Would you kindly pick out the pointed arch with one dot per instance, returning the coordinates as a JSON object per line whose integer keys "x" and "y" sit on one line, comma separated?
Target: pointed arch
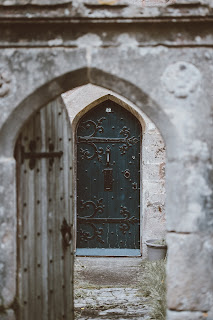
{"x": 51, "y": 90}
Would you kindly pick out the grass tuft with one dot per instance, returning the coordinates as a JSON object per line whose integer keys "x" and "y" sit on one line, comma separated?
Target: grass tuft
{"x": 153, "y": 286}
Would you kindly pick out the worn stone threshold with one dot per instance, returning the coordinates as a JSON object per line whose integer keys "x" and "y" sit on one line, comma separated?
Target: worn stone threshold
{"x": 108, "y": 252}
{"x": 110, "y": 303}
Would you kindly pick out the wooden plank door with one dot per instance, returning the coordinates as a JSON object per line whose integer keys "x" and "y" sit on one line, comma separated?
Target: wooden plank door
{"x": 44, "y": 195}
{"x": 108, "y": 182}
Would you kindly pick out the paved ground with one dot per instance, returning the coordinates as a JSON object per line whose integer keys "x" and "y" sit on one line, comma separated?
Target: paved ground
{"x": 109, "y": 288}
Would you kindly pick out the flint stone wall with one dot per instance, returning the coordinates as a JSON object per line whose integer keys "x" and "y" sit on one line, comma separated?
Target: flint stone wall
{"x": 158, "y": 58}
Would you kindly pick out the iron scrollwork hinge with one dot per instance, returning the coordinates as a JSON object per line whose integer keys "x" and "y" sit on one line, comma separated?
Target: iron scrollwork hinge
{"x": 94, "y": 220}
{"x": 127, "y": 143}
{"x": 33, "y": 155}
{"x": 66, "y": 233}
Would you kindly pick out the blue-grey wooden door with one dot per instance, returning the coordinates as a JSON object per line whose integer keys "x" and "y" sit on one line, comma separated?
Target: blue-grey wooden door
{"x": 108, "y": 181}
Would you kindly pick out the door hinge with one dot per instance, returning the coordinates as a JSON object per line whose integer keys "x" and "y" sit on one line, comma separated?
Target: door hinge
{"x": 66, "y": 233}
{"x": 32, "y": 155}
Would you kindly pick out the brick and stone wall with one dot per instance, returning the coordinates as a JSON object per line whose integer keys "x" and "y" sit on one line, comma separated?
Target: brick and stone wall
{"x": 153, "y": 184}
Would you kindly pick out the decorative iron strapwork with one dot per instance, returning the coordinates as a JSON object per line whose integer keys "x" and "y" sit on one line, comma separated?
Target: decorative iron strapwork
{"x": 98, "y": 207}
{"x": 96, "y": 233}
{"x": 97, "y": 127}
{"x": 86, "y": 154}
{"x": 127, "y": 141}
{"x": 33, "y": 156}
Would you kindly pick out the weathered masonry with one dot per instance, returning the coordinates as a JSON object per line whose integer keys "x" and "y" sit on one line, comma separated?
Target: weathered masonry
{"x": 159, "y": 59}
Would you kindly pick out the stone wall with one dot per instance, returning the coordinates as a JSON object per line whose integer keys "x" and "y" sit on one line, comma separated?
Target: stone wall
{"x": 158, "y": 58}
{"x": 153, "y": 181}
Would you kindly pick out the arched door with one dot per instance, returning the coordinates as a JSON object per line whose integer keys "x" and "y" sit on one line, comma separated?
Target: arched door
{"x": 108, "y": 181}
{"x": 45, "y": 259}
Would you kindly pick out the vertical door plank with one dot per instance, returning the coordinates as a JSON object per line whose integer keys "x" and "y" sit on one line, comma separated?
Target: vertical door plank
{"x": 25, "y": 234}
{"x": 62, "y": 212}
{"x": 57, "y": 212}
{"x": 30, "y": 252}
{"x": 66, "y": 178}
{"x": 50, "y": 213}
{"x": 70, "y": 290}
{"x": 44, "y": 229}
{"x": 38, "y": 221}
{"x": 22, "y": 221}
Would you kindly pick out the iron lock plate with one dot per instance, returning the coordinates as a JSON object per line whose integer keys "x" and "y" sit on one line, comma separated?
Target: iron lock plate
{"x": 108, "y": 181}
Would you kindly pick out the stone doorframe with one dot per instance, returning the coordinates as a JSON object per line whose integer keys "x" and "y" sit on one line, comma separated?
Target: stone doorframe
{"x": 180, "y": 294}
{"x": 77, "y": 107}
{"x": 78, "y": 102}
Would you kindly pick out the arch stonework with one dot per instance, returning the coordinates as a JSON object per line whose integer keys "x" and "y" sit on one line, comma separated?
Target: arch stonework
{"x": 152, "y": 211}
{"x": 38, "y": 69}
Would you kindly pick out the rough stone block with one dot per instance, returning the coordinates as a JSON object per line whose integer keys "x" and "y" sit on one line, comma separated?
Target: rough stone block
{"x": 154, "y": 171}
{"x": 156, "y": 199}
{"x": 186, "y": 315}
{"x": 157, "y": 187}
{"x": 189, "y": 192}
{"x": 189, "y": 272}
{"x": 153, "y": 149}
{"x": 155, "y": 211}
{"x": 153, "y": 139}
{"x": 151, "y": 3}
{"x": 154, "y": 226}
{"x": 7, "y": 232}
{"x": 150, "y": 127}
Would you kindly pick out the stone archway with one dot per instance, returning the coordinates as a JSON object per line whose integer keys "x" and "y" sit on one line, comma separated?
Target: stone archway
{"x": 52, "y": 89}
{"x": 41, "y": 97}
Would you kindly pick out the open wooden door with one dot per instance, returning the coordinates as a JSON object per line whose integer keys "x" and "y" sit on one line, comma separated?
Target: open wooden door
{"x": 44, "y": 196}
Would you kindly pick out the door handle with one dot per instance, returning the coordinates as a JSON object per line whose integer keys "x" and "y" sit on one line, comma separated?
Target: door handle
{"x": 108, "y": 172}
{"x": 108, "y": 155}
{"x": 66, "y": 233}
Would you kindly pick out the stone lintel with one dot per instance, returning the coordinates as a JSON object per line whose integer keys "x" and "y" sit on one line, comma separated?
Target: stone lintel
{"x": 105, "y": 10}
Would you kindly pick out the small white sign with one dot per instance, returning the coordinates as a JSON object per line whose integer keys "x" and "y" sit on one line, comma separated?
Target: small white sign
{"x": 108, "y": 110}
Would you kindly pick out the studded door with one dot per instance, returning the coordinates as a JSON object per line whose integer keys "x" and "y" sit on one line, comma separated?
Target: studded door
{"x": 45, "y": 259}
{"x": 108, "y": 182}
